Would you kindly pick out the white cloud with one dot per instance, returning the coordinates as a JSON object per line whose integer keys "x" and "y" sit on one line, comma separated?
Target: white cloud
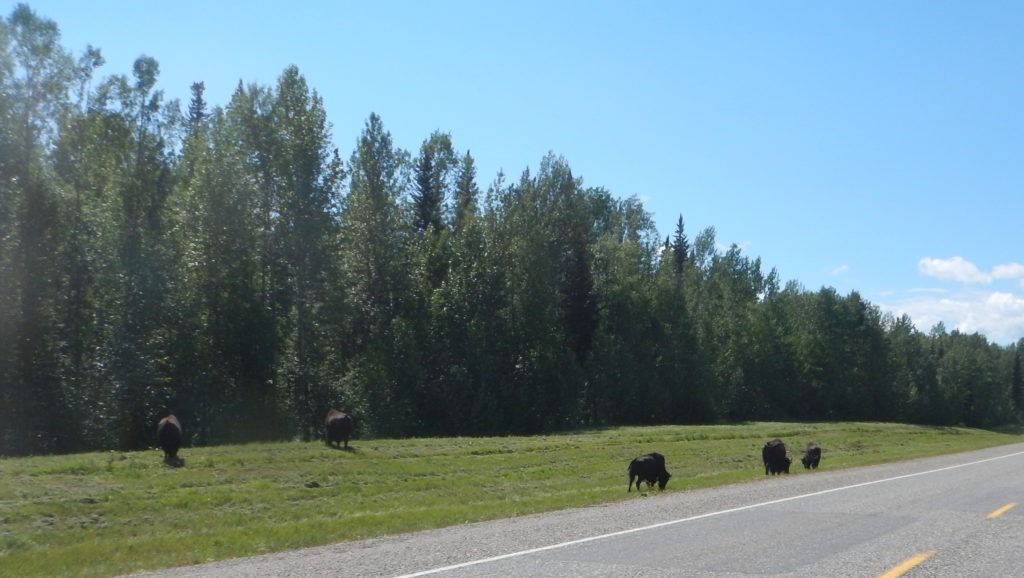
{"x": 997, "y": 315}
{"x": 1008, "y": 271}
{"x": 840, "y": 269}
{"x": 963, "y": 271}
{"x": 952, "y": 269}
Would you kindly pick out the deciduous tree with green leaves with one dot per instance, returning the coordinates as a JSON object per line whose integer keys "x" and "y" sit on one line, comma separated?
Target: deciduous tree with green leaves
{"x": 36, "y": 75}
{"x": 374, "y": 236}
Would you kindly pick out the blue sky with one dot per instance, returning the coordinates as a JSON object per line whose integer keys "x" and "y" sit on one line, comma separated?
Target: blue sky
{"x": 868, "y": 146}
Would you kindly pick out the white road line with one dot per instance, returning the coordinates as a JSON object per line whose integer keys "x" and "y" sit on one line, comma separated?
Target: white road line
{"x": 692, "y": 518}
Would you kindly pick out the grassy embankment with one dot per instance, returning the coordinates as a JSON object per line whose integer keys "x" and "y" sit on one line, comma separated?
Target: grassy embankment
{"x": 103, "y": 514}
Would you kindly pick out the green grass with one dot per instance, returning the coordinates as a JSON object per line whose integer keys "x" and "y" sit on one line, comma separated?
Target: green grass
{"x": 103, "y": 514}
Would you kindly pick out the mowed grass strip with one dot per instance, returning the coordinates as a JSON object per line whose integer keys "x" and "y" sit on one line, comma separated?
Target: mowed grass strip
{"x": 104, "y": 514}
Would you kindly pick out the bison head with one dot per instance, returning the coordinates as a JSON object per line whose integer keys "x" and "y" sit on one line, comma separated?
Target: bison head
{"x": 663, "y": 479}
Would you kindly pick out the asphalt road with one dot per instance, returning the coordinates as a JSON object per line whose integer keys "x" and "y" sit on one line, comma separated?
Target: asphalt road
{"x": 944, "y": 516}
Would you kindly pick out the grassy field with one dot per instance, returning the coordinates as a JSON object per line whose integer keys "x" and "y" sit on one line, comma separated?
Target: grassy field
{"x": 102, "y": 514}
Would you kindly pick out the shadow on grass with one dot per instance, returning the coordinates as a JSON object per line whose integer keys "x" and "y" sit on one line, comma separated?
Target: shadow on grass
{"x": 1014, "y": 429}
{"x": 174, "y": 462}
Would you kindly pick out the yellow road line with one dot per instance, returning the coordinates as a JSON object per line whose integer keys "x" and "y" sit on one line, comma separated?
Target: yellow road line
{"x": 1001, "y": 511}
{"x": 907, "y": 565}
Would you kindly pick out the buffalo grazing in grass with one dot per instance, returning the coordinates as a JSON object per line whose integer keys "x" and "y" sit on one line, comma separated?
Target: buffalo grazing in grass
{"x": 338, "y": 426}
{"x": 811, "y": 456}
{"x": 774, "y": 455}
{"x": 168, "y": 434}
{"x": 648, "y": 468}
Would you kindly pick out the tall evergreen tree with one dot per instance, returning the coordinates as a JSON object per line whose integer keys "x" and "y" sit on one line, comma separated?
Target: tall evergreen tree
{"x": 680, "y": 248}
{"x": 197, "y": 112}
{"x": 426, "y": 198}
{"x": 432, "y": 176}
{"x": 466, "y": 191}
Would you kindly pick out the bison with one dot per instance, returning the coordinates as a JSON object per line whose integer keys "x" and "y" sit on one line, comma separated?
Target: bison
{"x": 338, "y": 426}
{"x": 648, "y": 468}
{"x": 168, "y": 434}
{"x": 774, "y": 456}
{"x": 811, "y": 456}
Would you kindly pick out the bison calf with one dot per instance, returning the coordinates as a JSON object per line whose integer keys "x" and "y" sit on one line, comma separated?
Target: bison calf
{"x": 812, "y": 456}
{"x": 168, "y": 434}
{"x": 338, "y": 426}
{"x": 648, "y": 468}
{"x": 774, "y": 455}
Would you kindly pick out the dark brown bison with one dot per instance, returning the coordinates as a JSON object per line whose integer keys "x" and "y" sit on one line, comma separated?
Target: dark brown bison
{"x": 811, "y": 456}
{"x": 648, "y": 468}
{"x": 168, "y": 435}
{"x": 774, "y": 455}
{"x": 338, "y": 426}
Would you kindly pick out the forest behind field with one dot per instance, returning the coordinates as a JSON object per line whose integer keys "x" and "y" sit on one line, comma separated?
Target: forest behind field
{"x": 229, "y": 264}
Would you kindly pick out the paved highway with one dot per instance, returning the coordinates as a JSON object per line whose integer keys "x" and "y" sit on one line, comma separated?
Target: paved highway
{"x": 952, "y": 515}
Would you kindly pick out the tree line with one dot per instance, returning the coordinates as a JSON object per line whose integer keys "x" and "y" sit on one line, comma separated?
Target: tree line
{"x": 227, "y": 263}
